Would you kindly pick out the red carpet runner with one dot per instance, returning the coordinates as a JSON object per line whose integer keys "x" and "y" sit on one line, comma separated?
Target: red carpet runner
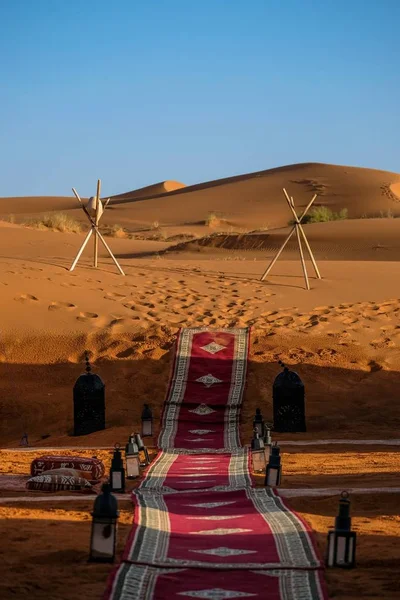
{"x": 201, "y": 530}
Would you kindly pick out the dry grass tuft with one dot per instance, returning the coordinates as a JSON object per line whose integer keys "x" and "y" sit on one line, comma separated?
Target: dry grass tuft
{"x": 117, "y": 231}
{"x": 214, "y": 220}
{"x": 56, "y": 221}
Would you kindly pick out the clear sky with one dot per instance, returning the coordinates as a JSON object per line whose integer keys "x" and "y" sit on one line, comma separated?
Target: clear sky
{"x": 138, "y": 91}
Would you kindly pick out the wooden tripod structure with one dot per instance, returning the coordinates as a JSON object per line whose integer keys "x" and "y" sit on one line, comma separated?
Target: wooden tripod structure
{"x": 297, "y": 227}
{"x": 94, "y": 210}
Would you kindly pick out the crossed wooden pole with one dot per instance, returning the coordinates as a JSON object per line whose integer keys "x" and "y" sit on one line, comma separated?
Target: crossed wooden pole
{"x": 297, "y": 227}
{"x": 96, "y": 208}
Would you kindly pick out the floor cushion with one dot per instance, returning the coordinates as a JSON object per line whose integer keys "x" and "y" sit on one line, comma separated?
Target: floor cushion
{"x": 91, "y": 469}
{"x": 58, "y": 480}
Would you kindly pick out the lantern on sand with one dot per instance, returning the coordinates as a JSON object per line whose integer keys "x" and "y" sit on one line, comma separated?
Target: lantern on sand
{"x": 267, "y": 442}
{"x": 273, "y": 472}
{"x": 288, "y": 401}
{"x": 132, "y": 458}
{"x": 117, "y": 472}
{"x": 257, "y": 452}
{"x": 258, "y": 423}
{"x": 143, "y": 452}
{"x": 104, "y": 526}
{"x": 341, "y": 540}
{"x": 147, "y": 421}
{"x": 89, "y": 402}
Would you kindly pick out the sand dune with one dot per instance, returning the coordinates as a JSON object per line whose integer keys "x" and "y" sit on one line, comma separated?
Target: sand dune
{"x": 354, "y": 239}
{"x": 150, "y": 191}
{"x": 342, "y": 331}
{"x": 251, "y": 201}
{"x": 256, "y": 199}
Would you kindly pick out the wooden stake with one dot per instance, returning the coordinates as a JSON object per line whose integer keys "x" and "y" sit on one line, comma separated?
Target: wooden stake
{"x": 94, "y": 228}
{"x": 97, "y": 217}
{"x": 277, "y": 255}
{"x": 299, "y": 230}
{"x": 81, "y": 249}
{"x": 110, "y": 253}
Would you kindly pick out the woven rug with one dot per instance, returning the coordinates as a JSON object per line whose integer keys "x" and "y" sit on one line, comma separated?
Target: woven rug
{"x": 201, "y": 529}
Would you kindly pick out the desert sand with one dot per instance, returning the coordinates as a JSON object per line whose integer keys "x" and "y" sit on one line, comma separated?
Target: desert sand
{"x": 184, "y": 269}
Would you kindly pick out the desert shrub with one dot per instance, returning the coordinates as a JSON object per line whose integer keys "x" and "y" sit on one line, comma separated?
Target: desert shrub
{"x": 118, "y": 231}
{"x": 213, "y": 220}
{"x": 8, "y": 218}
{"x": 57, "y": 221}
{"x": 323, "y": 214}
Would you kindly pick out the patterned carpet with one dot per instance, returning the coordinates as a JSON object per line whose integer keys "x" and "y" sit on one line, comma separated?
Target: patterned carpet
{"x": 201, "y": 530}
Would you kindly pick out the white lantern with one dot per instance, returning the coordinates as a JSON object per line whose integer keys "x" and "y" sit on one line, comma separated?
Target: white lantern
{"x": 104, "y": 526}
{"x": 132, "y": 458}
{"x": 258, "y": 423}
{"x": 267, "y": 443}
{"x": 274, "y": 469}
{"x": 257, "y": 452}
{"x": 117, "y": 472}
{"x": 144, "y": 456}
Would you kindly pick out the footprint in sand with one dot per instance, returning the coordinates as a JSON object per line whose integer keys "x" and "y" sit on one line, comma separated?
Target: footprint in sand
{"x": 87, "y": 316}
{"x": 61, "y": 306}
{"x": 26, "y": 298}
{"x": 114, "y": 296}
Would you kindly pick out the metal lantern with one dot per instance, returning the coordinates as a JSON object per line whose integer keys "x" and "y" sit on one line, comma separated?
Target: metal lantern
{"x": 104, "y": 526}
{"x": 117, "y": 472}
{"x": 267, "y": 442}
{"x": 143, "y": 452}
{"x": 274, "y": 469}
{"x": 257, "y": 452}
{"x": 89, "y": 402}
{"x": 258, "y": 423}
{"x": 24, "y": 440}
{"x": 288, "y": 400}
{"x": 147, "y": 421}
{"x": 132, "y": 458}
{"x": 341, "y": 540}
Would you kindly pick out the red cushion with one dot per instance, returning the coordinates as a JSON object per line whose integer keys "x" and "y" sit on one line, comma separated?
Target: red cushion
{"x": 91, "y": 469}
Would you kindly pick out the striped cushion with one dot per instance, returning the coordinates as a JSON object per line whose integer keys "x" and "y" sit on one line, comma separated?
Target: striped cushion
{"x": 59, "y": 480}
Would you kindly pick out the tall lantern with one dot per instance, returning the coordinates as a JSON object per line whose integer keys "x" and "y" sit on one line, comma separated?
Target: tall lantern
{"x": 274, "y": 469}
{"x": 341, "y": 540}
{"x": 257, "y": 452}
{"x": 267, "y": 442}
{"x": 147, "y": 421}
{"x": 143, "y": 452}
{"x": 117, "y": 472}
{"x": 89, "y": 402}
{"x": 104, "y": 526}
{"x": 132, "y": 458}
{"x": 258, "y": 423}
{"x": 288, "y": 402}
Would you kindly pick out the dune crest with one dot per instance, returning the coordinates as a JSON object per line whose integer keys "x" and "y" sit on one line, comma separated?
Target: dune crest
{"x": 149, "y": 191}
{"x": 395, "y": 188}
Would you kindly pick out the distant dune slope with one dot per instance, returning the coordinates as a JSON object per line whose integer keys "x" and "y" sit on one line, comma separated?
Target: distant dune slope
{"x": 256, "y": 199}
{"x": 156, "y": 189}
{"x": 253, "y": 201}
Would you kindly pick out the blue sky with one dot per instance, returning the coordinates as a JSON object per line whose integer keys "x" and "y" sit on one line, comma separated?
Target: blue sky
{"x": 138, "y": 91}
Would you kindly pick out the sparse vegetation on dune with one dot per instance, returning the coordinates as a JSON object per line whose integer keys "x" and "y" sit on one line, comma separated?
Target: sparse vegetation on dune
{"x": 56, "y": 221}
{"x": 118, "y": 231}
{"x": 214, "y": 220}
{"x": 323, "y": 214}
{"x": 8, "y": 218}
